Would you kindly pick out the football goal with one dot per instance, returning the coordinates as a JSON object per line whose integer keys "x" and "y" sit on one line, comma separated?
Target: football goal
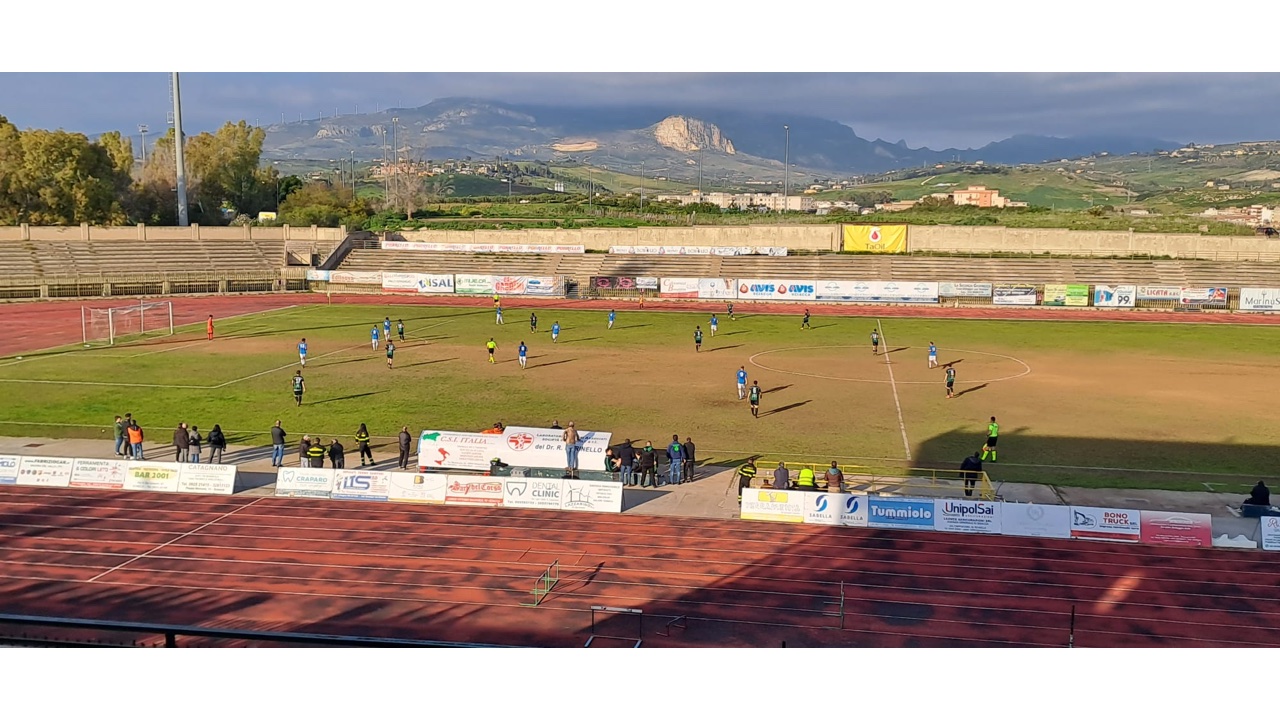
{"x": 126, "y": 322}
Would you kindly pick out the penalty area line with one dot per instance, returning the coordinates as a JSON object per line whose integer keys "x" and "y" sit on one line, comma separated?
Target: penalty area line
{"x": 906, "y": 444}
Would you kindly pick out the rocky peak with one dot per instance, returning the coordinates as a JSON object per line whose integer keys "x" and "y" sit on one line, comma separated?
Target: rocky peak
{"x": 689, "y": 135}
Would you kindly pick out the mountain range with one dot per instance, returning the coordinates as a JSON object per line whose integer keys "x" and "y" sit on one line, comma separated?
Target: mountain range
{"x": 678, "y": 142}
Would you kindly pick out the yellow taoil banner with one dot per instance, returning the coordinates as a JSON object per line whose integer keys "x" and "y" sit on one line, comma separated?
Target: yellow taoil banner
{"x": 875, "y": 238}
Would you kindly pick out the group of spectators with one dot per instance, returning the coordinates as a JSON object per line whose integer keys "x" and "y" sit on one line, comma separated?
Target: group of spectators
{"x": 643, "y": 467}
{"x": 187, "y": 441}
{"x": 312, "y": 451}
{"x": 805, "y": 478}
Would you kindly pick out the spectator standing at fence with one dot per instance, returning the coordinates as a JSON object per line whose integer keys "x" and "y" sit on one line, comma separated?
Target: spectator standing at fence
{"x": 781, "y": 477}
{"x": 303, "y": 447}
{"x": 404, "y": 439}
{"x": 675, "y": 461}
{"x": 194, "y": 442}
{"x": 181, "y": 443}
{"x": 571, "y": 447}
{"x": 993, "y": 430}
{"x": 337, "y": 455}
{"x": 299, "y": 387}
{"x": 523, "y": 353}
{"x": 315, "y": 454}
{"x": 746, "y": 473}
{"x": 118, "y": 434}
{"x": 400, "y": 329}
{"x": 217, "y": 445}
{"x": 688, "y": 459}
{"x": 742, "y": 382}
{"x": 835, "y": 478}
{"x": 134, "y": 433}
{"x": 626, "y": 462}
{"x": 362, "y": 439}
{"x": 969, "y": 469}
{"x": 208, "y": 327}
{"x": 612, "y": 316}
{"x": 373, "y": 337}
{"x": 555, "y": 425}
{"x": 648, "y": 465}
{"x": 277, "y": 445}
{"x": 715, "y": 324}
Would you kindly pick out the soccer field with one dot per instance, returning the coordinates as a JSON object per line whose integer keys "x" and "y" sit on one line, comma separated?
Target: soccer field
{"x": 1084, "y": 403}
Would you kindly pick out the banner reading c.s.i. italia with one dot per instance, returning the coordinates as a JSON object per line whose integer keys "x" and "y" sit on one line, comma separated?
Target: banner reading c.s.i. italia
{"x": 874, "y": 238}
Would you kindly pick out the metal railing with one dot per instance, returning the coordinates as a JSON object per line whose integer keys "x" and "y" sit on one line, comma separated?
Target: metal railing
{"x": 886, "y": 480}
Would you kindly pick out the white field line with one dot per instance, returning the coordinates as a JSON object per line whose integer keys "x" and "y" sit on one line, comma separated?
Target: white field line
{"x": 906, "y": 444}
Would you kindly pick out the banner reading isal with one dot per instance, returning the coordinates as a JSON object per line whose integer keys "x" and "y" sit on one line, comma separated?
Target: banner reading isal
{"x": 875, "y": 238}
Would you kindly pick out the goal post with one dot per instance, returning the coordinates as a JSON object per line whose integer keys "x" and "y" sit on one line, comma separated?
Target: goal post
{"x": 148, "y": 318}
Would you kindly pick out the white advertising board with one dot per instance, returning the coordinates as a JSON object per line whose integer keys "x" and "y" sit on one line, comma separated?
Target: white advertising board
{"x": 646, "y": 283}
{"x": 967, "y": 516}
{"x": 678, "y": 287}
{"x": 482, "y": 248}
{"x": 877, "y": 291}
{"x": 509, "y": 284}
{"x": 1270, "y": 531}
{"x": 425, "y": 488}
{"x": 9, "y": 469}
{"x": 207, "y": 479}
{"x": 304, "y": 482}
{"x": 313, "y": 274}
{"x": 473, "y": 284}
{"x": 98, "y": 474}
{"x": 45, "y": 471}
{"x": 717, "y": 289}
{"x": 764, "y": 289}
{"x": 964, "y": 289}
{"x": 1032, "y": 520}
{"x": 480, "y": 490}
{"x": 826, "y": 508}
{"x": 152, "y": 476}
{"x": 1260, "y": 299}
{"x": 356, "y": 277}
{"x": 443, "y": 450}
{"x": 544, "y": 448}
{"x": 1203, "y": 296}
{"x": 1113, "y": 524}
{"x": 1114, "y": 295}
{"x": 1013, "y": 294}
{"x": 592, "y": 496}
{"x": 1158, "y": 292}
{"x": 421, "y": 283}
{"x": 543, "y": 286}
{"x": 360, "y": 484}
{"x": 537, "y": 493}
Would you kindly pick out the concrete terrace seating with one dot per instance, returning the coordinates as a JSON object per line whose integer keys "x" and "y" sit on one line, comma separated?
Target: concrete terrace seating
{"x": 104, "y": 258}
{"x": 450, "y": 263}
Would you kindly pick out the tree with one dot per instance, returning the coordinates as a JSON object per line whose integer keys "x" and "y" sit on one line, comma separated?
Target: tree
{"x": 225, "y": 170}
{"x": 321, "y": 204}
{"x": 61, "y": 178}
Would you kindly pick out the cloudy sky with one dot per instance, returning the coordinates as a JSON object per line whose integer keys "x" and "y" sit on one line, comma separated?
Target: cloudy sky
{"x": 937, "y": 110}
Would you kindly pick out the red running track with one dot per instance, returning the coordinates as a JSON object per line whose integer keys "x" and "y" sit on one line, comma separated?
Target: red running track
{"x": 461, "y": 574}
{"x": 28, "y": 327}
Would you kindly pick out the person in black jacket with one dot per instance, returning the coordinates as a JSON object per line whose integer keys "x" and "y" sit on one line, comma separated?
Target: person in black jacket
{"x": 1259, "y": 495}
{"x": 315, "y": 454}
{"x": 337, "y": 455}
{"x": 648, "y": 466}
{"x": 362, "y": 439}
{"x": 970, "y": 468}
{"x": 194, "y": 441}
{"x": 688, "y": 459}
{"x": 277, "y": 445}
{"x": 217, "y": 444}
{"x": 181, "y": 443}
{"x": 626, "y": 455}
{"x": 405, "y": 439}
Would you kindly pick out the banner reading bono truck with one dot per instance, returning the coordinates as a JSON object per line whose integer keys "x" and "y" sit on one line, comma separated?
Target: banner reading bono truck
{"x": 759, "y": 289}
{"x": 440, "y": 450}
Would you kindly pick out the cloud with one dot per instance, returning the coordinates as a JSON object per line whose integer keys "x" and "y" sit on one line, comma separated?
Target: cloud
{"x": 935, "y": 109}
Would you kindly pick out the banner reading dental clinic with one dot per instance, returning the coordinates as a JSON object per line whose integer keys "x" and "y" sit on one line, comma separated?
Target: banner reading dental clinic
{"x": 517, "y": 446}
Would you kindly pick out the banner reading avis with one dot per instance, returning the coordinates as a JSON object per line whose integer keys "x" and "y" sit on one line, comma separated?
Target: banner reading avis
{"x": 759, "y": 289}
{"x": 874, "y": 238}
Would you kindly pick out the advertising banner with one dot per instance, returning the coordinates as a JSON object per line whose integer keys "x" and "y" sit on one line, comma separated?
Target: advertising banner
{"x": 152, "y": 476}
{"x": 98, "y": 474}
{"x": 592, "y": 496}
{"x": 1106, "y": 524}
{"x": 45, "y": 471}
{"x": 1114, "y": 295}
{"x": 875, "y": 238}
{"x": 397, "y": 282}
{"x": 752, "y": 289}
{"x": 876, "y": 291}
{"x": 1005, "y": 294}
{"x": 425, "y": 488}
{"x": 823, "y": 508}
{"x": 473, "y": 490}
{"x": 483, "y": 248}
{"x": 543, "y": 286}
{"x": 9, "y": 469}
{"x": 544, "y": 448}
{"x": 1031, "y": 520}
{"x": 613, "y": 283}
{"x": 772, "y": 251}
{"x": 538, "y": 493}
{"x": 967, "y": 516}
{"x": 647, "y": 283}
{"x": 775, "y": 505}
{"x": 1260, "y": 299}
{"x": 1158, "y": 292}
{"x": 207, "y": 479}
{"x": 1203, "y": 296}
{"x": 442, "y": 450}
{"x": 964, "y": 289}
{"x": 1066, "y": 295}
{"x": 1171, "y": 528}
{"x": 355, "y": 277}
{"x": 678, "y": 287}
{"x": 1270, "y": 531}
{"x": 361, "y": 484}
{"x": 902, "y": 513}
{"x": 509, "y": 284}
{"x": 473, "y": 284}
{"x": 304, "y": 482}
{"x": 318, "y": 275}
{"x": 717, "y": 289}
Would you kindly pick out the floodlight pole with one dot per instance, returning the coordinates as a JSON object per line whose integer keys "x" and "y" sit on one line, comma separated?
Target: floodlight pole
{"x": 786, "y": 169}
{"x": 178, "y": 154}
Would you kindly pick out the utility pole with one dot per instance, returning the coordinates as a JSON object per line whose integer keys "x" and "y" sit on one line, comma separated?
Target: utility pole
{"x": 699, "y": 173}
{"x": 786, "y": 170}
{"x": 144, "y": 129}
{"x": 178, "y": 154}
{"x": 395, "y": 150}
{"x": 353, "y": 173}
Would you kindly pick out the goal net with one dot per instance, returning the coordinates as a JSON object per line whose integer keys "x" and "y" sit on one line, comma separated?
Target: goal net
{"x": 126, "y": 322}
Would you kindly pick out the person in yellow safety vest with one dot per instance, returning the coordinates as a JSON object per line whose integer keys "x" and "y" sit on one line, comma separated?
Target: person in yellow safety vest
{"x": 746, "y": 473}
{"x": 315, "y": 453}
{"x": 805, "y": 480}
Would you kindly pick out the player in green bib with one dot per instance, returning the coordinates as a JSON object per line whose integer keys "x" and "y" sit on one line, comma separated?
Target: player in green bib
{"x": 989, "y": 450}
{"x": 754, "y": 398}
{"x": 299, "y": 386}
{"x": 951, "y": 382}
{"x": 697, "y": 339}
{"x": 391, "y": 353}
